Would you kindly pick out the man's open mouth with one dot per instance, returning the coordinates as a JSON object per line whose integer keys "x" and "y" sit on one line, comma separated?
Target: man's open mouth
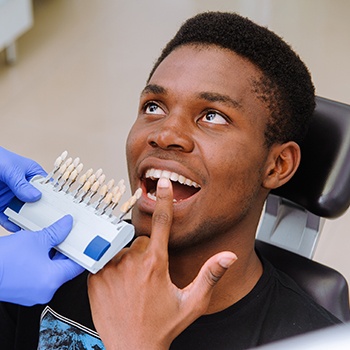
{"x": 183, "y": 187}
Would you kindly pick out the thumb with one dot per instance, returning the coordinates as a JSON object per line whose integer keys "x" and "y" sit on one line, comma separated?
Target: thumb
{"x": 24, "y": 190}
{"x": 58, "y": 231}
{"x": 211, "y": 272}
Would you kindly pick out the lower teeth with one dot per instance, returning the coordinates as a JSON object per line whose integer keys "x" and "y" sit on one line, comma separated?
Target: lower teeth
{"x": 151, "y": 196}
{"x": 154, "y": 198}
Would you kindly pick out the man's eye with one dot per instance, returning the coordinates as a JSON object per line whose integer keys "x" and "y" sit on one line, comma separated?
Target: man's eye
{"x": 214, "y": 118}
{"x": 153, "y": 108}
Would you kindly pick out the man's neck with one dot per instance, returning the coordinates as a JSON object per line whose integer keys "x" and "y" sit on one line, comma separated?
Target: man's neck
{"x": 237, "y": 282}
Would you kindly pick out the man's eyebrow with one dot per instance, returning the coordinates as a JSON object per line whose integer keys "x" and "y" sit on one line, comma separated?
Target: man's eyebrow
{"x": 153, "y": 89}
{"x": 216, "y": 97}
{"x": 208, "y": 96}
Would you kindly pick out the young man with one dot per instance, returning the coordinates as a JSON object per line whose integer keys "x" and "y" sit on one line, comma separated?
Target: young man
{"x": 221, "y": 116}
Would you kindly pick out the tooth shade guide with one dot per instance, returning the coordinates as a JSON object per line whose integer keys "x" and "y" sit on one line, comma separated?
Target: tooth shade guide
{"x": 70, "y": 168}
{"x": 91, "y": 179}
{"x": 73, "y": 175}
{"x": 89, "y": 173}
{"x": 138, "y": 193}
{"x": 76, "y": 162}
{"x": 64, "y": 155}
{"x": 98, "y": 173}
{"x": 91, "y": 192}
{"x": 115, "y": 201}
{"x": 62, "y": 169}
{"x": 66, "y": 175}
{"x": 116, "y": 198}
{"x": 128, "y": 205}
{"x": 110, "y": 184}
{"x": 107, "y": 200}
{"x": 102, "y": 193}
{"x": 103, "y": 190}
{"x": 58, "y": 162}
{"x": 88, "y": 226}
{"x": 105, "y": 203}
{"x": 71, "y": 180}
{"x": 101, "y": 179}
{"x": 79, "y": 168}
{"x": 83, "y": 192}
{"x": 82, "y": 187}
{"x": 94, "y": 188}
{"x": 86, "y": 186}
{"x": 68, "y": 162}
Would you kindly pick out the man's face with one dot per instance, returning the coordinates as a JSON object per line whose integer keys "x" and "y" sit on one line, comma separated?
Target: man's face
{"x": 200, "y": 123}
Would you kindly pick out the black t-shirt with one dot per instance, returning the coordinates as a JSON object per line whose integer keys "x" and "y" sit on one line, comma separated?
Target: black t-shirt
{"x": 275, "y": 309}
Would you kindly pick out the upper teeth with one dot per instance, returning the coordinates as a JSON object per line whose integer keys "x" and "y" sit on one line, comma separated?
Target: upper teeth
{"x": 157, "y": 174}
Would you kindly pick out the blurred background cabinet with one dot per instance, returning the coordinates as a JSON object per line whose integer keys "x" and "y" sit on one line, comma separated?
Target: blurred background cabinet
{"x": 16, "y": 17}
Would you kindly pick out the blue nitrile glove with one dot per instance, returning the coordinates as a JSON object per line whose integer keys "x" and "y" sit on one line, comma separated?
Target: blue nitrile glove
{"x": 28, "y": 275}
{"x": 15, "y": 171}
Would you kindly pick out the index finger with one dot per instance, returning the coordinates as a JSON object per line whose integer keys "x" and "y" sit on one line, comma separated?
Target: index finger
{"x": 162, "y": 217}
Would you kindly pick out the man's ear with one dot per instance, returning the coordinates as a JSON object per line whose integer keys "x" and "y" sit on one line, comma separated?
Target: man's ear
{"x": 282, "y": 163}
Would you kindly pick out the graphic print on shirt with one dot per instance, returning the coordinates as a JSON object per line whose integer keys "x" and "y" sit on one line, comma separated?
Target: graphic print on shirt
{"x": 58, "y": 332}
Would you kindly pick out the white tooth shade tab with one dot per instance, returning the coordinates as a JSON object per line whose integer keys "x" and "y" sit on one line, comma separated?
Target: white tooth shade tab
{"x": 157, "y": 174}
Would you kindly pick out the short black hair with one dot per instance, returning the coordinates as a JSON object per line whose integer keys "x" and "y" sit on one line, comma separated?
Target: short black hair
{"x": 286, "y": 86}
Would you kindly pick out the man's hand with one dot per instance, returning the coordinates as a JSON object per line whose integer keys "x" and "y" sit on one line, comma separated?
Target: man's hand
{"x": 28, "y": 275}
{"x": 134, "y": 303}
{"x": 15, "y": 171}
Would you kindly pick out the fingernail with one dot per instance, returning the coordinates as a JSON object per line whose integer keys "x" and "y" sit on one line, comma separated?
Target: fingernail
{"x": 227, "y": 261}
{"x": 163, "y": 182}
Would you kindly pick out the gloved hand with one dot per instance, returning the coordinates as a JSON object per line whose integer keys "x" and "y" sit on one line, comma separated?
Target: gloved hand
{"x": 15, "y": 171}
{"x": 28, "y": 275}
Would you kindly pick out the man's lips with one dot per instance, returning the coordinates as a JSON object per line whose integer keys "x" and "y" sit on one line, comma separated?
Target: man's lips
{"x": 183, "y": 187}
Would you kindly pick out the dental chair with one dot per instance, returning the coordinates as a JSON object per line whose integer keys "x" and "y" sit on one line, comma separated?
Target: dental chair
{"x": 294, "y": 214}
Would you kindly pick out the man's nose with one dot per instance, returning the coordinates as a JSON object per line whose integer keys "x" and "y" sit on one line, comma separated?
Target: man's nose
{"x": 172, "y": 134}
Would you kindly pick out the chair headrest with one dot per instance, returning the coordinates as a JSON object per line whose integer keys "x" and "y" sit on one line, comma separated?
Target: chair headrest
{"x": 322, "y": 182}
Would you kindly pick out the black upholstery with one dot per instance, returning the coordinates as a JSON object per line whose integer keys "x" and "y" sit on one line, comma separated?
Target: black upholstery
{"x": 325, "y": 285}
{"x": 322, "y": 183}
{"x": 322, "y": 186}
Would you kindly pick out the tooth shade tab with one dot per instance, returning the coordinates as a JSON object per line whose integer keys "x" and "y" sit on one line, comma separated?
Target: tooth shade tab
{"x": 68, "y": 162}
{"x": 64, "y": 155}
{"x": 79, "y": 168}
{"x": 98, "y": 173}
{"x": 102, "y": 179}
{"x": 110, "y": 184}
{"x": 76, "y": 162}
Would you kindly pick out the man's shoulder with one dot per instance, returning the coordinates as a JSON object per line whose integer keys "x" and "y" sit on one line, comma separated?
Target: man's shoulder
{"x": 289, "y": 303}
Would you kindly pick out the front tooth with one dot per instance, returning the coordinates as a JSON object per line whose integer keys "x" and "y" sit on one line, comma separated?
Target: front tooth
{"x": 166, "y": 174}
{"x": 157, "y": 173}
{"x": 151, "y": 196}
